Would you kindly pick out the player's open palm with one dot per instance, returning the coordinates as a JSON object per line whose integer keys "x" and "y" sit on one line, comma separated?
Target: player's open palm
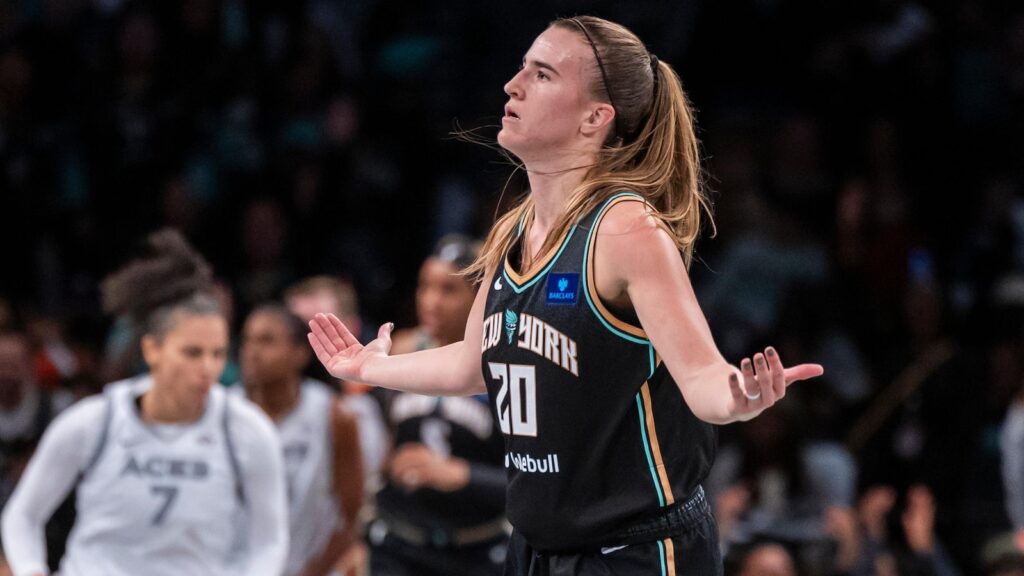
{"x": 340, "y": 352}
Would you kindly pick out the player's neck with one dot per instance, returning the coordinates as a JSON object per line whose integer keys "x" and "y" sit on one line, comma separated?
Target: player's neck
{"x": 278, "y": 399}
{"x": 550, "y": 193}
{"x": 159, "y": 407}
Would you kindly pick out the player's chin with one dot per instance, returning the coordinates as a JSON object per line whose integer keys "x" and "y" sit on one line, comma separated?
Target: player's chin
{"x": 507, "y": 140}
{"x": 197, "y": 394}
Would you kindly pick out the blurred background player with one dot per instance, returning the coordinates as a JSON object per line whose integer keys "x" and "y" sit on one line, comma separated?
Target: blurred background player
{"x": 165, "y": 464}
{"x": 318, "y": 293}
{"x": 322, "y": 458}
{"x": 327, "y": 293}
{"x": 441, "y": 510}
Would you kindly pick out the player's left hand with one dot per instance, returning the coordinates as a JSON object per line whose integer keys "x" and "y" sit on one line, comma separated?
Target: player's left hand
{"x": 765, "y": 380}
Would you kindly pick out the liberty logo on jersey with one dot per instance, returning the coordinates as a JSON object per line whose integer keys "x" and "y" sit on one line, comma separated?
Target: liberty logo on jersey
{"x": 563, "y": 288}
{"x": 511, "y": 319}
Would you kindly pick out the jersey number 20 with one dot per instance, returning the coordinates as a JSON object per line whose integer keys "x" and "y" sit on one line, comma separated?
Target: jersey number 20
{"x": 519, "y": 384}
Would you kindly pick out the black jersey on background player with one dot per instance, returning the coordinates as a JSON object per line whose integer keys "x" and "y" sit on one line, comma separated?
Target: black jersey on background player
{"x": 462, "y": 427}
{"x": 598, "y": 436}
{"x": 432, "y": 532}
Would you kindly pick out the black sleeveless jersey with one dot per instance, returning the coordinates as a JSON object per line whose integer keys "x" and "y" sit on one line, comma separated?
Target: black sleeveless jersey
{"x": 597, "y": 434}
{"x": 459, "y": 426}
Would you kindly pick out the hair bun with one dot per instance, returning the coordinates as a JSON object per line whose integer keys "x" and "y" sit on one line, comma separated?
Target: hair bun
{"x": 171, "y": 270}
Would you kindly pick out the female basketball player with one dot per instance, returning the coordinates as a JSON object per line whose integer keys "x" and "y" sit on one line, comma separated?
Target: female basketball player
{"x": 319, "y": 437}
{"x": 171, "y": 475}
{"x": 442, "y": 509}
{"x": 597, "y": 358}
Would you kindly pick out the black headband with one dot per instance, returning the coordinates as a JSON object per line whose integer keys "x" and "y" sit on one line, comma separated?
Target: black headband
{"x": 604, "y": 76}
{"x": 654, "y": 72}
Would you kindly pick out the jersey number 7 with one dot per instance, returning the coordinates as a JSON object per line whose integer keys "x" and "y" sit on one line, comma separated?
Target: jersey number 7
{"x": 169, "y": 495}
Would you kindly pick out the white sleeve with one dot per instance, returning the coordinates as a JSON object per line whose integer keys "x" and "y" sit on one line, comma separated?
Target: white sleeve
{"x": 262, "y": 475}
{"x": 1012, "y": 445}
{"x": 63, "y": 453}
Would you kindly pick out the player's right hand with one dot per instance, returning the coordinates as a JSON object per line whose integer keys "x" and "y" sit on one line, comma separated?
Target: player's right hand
{"x": 339, "y": 351}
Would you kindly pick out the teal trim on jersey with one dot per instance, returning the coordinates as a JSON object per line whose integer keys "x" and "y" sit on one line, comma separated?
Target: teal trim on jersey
{"x": 664, "y": 559}
{"x": 519, "y": 289}
{"x": 647, "y": 448}
{"x": 647, "y": 443}
{"x": 586, "y": 287}
{"x": 650, "y": 350}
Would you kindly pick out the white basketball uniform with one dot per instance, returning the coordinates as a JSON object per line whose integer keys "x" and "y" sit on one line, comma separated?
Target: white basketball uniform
{"x": 306, "y": 437}
{"x": 307, "y": 441}
{"x": 157, "y": 500}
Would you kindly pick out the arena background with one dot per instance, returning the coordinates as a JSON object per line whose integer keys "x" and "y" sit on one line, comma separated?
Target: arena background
{"x": 865, "y": 159}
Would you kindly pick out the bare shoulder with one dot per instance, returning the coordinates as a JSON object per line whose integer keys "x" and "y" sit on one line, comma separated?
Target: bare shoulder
{"x": 632, "y": 245}
{"x": 631, "y": 232}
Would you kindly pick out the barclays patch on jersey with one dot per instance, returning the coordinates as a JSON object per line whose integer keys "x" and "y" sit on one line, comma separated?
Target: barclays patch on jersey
{"x": 563, "y": 288}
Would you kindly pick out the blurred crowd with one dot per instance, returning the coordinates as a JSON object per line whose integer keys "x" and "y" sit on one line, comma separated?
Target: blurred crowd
{"x": 866, "y": 160}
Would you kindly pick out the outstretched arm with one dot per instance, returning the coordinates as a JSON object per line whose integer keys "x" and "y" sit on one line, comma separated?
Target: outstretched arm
{"x": 452, "y": 370}
{"x": 637, "y": 262}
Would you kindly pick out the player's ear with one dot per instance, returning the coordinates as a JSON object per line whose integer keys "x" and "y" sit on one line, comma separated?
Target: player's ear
{"x": 152, "y": 350}
{"x": 598, "y": 120}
